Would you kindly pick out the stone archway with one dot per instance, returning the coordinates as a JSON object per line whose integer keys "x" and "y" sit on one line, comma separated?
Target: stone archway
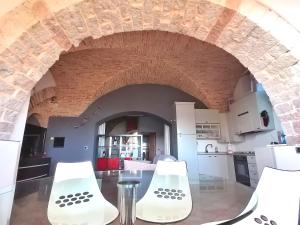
{"x": 42, "y": 30}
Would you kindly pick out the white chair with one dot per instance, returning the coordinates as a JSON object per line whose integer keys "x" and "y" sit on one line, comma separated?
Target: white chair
{"x": 275, "y": 200}
{"x": 138, "y": 165}
{"x": 76, "y": 199}
{"x": 168, "y": 198}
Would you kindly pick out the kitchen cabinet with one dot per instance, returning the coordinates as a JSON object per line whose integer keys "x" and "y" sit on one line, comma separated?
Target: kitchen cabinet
{"x": 231, "y": 170}
{"x": 185, "y": 118}
{"x": 207, "y": 124}
{"x": 208, "y": 131}
{"x": 207, "y": 116}
{"x": 233, "y": 136}
{"x": 31, "y": 168}
{"x": 213, "y": 165}
{"x": 253, "y": 174}
{"x": 252, "y": 113}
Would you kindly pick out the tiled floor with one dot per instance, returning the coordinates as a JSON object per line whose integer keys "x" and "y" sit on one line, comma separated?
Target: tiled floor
{"x": 211, "y": 203}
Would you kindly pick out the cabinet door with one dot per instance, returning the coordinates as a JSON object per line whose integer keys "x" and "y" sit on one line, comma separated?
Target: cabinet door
{"x": 245, "y": 122}
{"x": 213, "y": 165}
{"x": 207, "y": 116}
{"x": 230, "y": 165}
{"x": 220, "y": 168}
{"x": 205, "y": 164}
{"x": 185, "y": 118}
{"x": 233, "y": 128}
{"x": 224, "y": 127}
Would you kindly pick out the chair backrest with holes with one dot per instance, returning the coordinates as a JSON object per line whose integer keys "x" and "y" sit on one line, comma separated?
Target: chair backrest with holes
{"x": 75, "y": 197}
{"x": 168, "y": 198}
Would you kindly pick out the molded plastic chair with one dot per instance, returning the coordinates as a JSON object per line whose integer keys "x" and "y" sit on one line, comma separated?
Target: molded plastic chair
{"x": 277, "y": 196}
{"x": 168, "y": 198}
{"x": 76, "y": 199}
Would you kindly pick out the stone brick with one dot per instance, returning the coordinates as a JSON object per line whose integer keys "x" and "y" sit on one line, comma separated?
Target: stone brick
{"x": 90, "y": 17}
{"x": 109, "y": 16}
{"x": 21, "y": 81}
{"x": 5, "y": 88}
{"x": 40, "y": 33}
{"x": 59, "y": 35}
{"x": 282, "y": 62}
{"x": 296, "y": 103}
{"x": 283, "y": 108}
{"x": 288, "y": 128}
{"x": 22, "y": 95}
{"x": 73, "y": 24}
{"x": 10, "y": 116}
{"x": 12, "y": 60}
{"x": 31, "y": 45}
{"x": 6, "y": 69}
{"x": 6, "y": 127}
{"x": 296, "y": 126}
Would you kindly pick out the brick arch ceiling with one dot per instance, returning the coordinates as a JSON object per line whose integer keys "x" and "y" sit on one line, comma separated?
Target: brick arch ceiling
{"x": 36, "y": 32}
{"x": 99, "y": 66}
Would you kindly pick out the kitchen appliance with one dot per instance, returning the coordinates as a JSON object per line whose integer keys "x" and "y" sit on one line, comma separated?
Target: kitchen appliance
{"x": 241, "y": 169}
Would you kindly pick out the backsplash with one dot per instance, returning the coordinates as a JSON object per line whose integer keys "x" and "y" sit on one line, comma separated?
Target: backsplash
{"x": 202, "y": 143}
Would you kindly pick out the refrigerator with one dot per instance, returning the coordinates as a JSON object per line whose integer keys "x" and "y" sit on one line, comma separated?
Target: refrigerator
{"x": 282, "y": 157}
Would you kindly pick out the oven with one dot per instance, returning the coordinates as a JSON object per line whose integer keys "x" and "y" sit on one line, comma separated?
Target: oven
{"x": 241, "y": 169}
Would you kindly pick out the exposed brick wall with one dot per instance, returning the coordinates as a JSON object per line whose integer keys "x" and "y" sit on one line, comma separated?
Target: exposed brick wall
{"x": 97, "y": 67}
{"x": 35, "y": 33}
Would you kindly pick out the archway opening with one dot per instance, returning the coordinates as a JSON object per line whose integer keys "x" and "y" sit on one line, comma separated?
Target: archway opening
{"x": 131, "y": 136}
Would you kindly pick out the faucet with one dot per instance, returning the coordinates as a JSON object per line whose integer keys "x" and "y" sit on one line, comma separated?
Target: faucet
{"x": 207, "y": 146}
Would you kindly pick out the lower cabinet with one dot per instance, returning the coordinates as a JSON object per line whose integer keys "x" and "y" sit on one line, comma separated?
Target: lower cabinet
{"x": 253, "y": 174}
{"x": 213, "y": 165}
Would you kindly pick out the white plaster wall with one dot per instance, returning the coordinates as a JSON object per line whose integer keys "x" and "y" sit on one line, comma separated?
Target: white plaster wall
{"x": 288, "y": 9}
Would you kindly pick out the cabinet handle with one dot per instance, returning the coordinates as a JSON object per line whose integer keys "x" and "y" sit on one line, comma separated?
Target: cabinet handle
{"x": 215, "y": 156}
{"x": 209, "y": 156}
{"x": 244, "y": 113}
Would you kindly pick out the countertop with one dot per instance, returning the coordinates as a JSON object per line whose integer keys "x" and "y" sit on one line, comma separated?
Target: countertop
{"x": 225, "y": 153}
{"x": 213, "y": 153}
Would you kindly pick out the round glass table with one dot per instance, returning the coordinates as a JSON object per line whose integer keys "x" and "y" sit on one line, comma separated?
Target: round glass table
{"x": 213, "y": 198}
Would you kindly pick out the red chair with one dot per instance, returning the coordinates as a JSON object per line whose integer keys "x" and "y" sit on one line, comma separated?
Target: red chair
{"x": 113, "y": 163}
{"x": 102, "y": 164}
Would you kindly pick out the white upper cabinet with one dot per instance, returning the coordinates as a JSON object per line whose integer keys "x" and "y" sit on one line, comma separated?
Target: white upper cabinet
{"x": 185, "y": 118}
{"x": 252, "y": 113}
{"x": 207, "y": 124}
{"x": 207, "y": 116}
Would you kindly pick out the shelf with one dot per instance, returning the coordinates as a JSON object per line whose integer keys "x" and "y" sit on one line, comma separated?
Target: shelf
{"x": 208, "y": 130}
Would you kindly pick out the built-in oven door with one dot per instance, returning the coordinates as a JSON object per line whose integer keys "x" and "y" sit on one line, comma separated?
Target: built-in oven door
{"x": 241, "y": 169}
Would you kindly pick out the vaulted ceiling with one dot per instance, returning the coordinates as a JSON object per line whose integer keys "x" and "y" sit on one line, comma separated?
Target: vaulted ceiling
{"x": 100, "y": 66}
